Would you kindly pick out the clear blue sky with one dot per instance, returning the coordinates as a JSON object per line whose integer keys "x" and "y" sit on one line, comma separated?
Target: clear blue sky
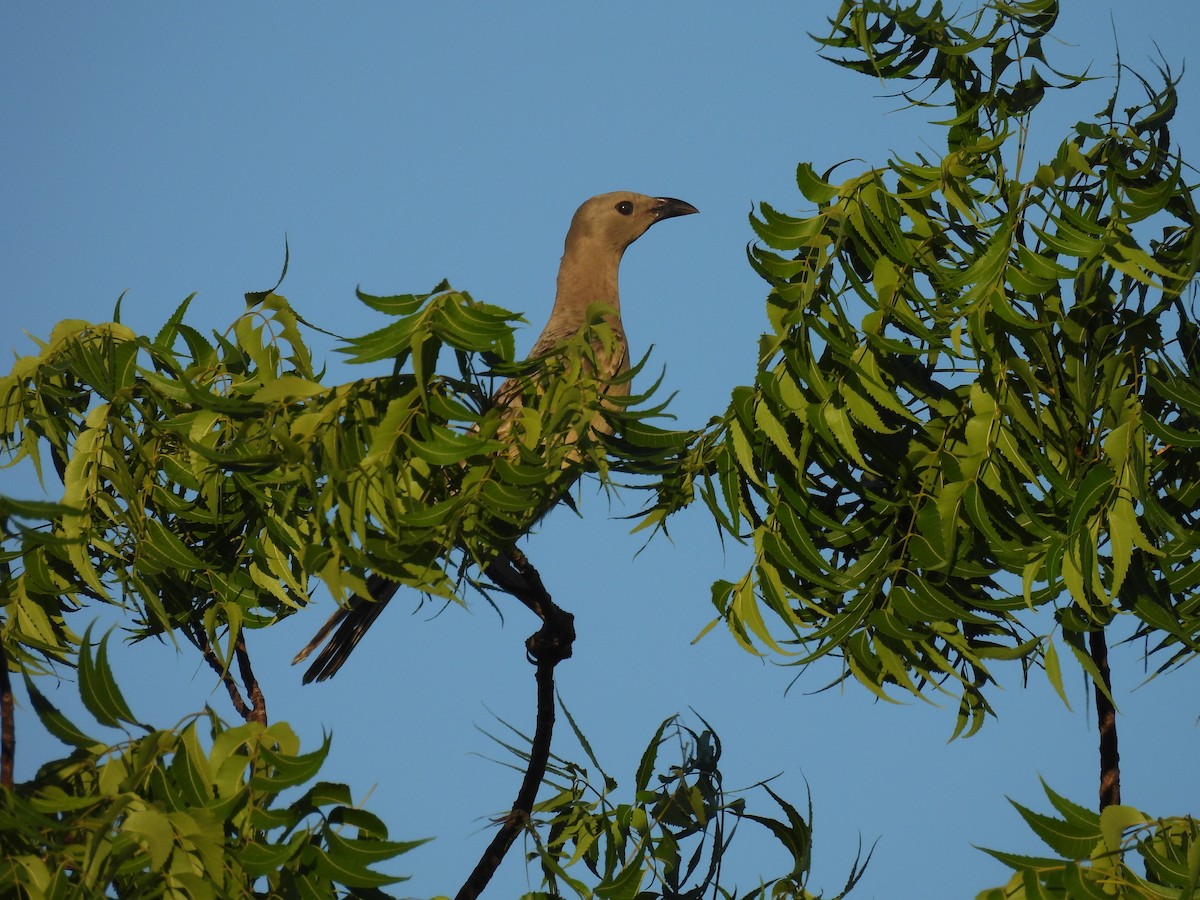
{"x": 165, "y": 149}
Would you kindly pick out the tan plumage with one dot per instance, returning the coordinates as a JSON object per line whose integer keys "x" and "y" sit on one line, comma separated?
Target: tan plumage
{"x": 601, "y": 230}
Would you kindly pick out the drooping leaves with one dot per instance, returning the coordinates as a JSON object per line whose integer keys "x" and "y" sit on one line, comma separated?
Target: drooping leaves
{"x": 972, "y": 402}
{"x": 208, "y": 482}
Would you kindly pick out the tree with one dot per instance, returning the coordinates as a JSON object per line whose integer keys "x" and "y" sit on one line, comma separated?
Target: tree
{"x": 205, "y": 483}
{"x": 971, "y": 439}
{"x": 972, "y": 435}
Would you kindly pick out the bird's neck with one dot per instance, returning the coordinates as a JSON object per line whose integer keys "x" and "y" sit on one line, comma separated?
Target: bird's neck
{"x": 587, "y": 275}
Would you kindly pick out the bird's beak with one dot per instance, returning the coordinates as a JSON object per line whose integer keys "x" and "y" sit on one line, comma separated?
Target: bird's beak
{"x": 669, "y": 207}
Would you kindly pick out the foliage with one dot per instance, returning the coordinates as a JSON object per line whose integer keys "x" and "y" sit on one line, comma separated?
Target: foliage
{"x": 671, "y": 839}
{"x": 207, "y": 482}
{"x": 978, "y": 395}
{"x": 191, "y": 811}
{"x": 972, "y": 438}
{"x": 1092, "y": 848}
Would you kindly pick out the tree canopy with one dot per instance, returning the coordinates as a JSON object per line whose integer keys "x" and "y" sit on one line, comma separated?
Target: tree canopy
{"x": 971, "y": 439}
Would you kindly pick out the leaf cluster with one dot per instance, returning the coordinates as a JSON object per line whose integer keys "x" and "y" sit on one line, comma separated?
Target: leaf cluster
{"x": 1091, "y": 856}
{"x": 987, "y": 67}
{"x": 206, "y": 483}
{"x": 978, "y": 396}
{"x": 671, "y": 838}
{"x": 192, "y": 811}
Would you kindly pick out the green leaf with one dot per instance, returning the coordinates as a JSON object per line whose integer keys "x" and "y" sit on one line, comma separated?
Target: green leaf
{"x": 1069, "y": 841}
{"x": 1095, "y": 486}
{"x": 153, "y": 831}
{"x": 55, "y": 722}
{"x": 164, "y": 551}
{"x": 260, "y": 859}
{"x": 1074, "y": 640}
{"x": 189, "y": 767}
{"x": 649, "y": 758}
{"x": 1054, "y": 669}
{"x": 345, "y": 865}
{"x": 795, "y": 835}
{"x": 97, "y": 688}
{"x": 814, "y": 188}
{"x": 1115, "y": 821}
{"x": 287, "y": 387}
{"x": 285, "y": 770}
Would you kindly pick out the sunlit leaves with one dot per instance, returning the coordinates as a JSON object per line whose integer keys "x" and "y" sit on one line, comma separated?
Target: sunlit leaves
{"x": 194, "y": 811}
{"x": 425, "y": 322}
{"x": 207, "y": 481}
{"x": 969, "y": 382}
{"x": 1092, "y": 853}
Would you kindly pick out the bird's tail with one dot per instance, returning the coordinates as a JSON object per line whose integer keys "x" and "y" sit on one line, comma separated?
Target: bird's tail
{"x": 346, "y": 627}
{"x": 351, "y": 623}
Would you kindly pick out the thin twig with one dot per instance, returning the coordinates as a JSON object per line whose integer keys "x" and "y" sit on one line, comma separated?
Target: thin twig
{"x": 1106, "y": 721}
{"x": 8, "y": 735}
{"x": 546, "y": 649}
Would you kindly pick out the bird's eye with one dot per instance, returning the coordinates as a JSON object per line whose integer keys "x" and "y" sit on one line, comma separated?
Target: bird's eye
{"x": 624, "y": 207}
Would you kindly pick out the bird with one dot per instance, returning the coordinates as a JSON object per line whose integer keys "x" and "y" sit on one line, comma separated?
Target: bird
{"x": 601, "y": 230}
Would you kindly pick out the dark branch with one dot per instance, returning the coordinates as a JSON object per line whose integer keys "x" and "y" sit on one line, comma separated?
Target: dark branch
{"x": 549, "y": 646}
{"x": 258, "y": 712}
{"x": 200, "y": 639}
{"x": 1106, "y": 721}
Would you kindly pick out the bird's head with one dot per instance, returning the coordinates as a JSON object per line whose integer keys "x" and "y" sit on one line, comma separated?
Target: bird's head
{"x": 618, "y": 219}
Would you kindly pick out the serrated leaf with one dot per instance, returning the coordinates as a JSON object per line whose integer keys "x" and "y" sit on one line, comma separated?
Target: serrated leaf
{"x": 1074, "y": 640}
{"x": 97, "y": 688}
{"x": 1070, "y": 842}
{"x": 152, "y": 830}
{"x": 1021, "y": 862}
{"x": 775, "y": 431}
{"x": 189, "y": 767}
{"x": 1122, "y": 526}
{"x": 838, "y": 422}
{"x": 348, "y": 868}
{"x": 165, "y": 550}
{"x": 1095, "y": 485}
{"x": 260, "y": 859}
{"x": 285, "y": 770}
{"x": 813, "y": 187}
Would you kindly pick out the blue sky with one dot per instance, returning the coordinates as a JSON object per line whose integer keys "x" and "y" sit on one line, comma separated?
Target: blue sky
{"x": 166, "y": 149}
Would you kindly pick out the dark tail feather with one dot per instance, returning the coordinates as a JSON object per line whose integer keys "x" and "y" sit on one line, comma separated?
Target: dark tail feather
{"x": 346, "y": 627}
{"x": 351, "y": 623}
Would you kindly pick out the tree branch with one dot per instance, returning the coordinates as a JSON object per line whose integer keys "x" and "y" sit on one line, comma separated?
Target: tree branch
{"x": 1106, "y": 722}
{"x": 201, "y": 641}
{"x": 550, "y": 645}
{"x": 258, "y": 711}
